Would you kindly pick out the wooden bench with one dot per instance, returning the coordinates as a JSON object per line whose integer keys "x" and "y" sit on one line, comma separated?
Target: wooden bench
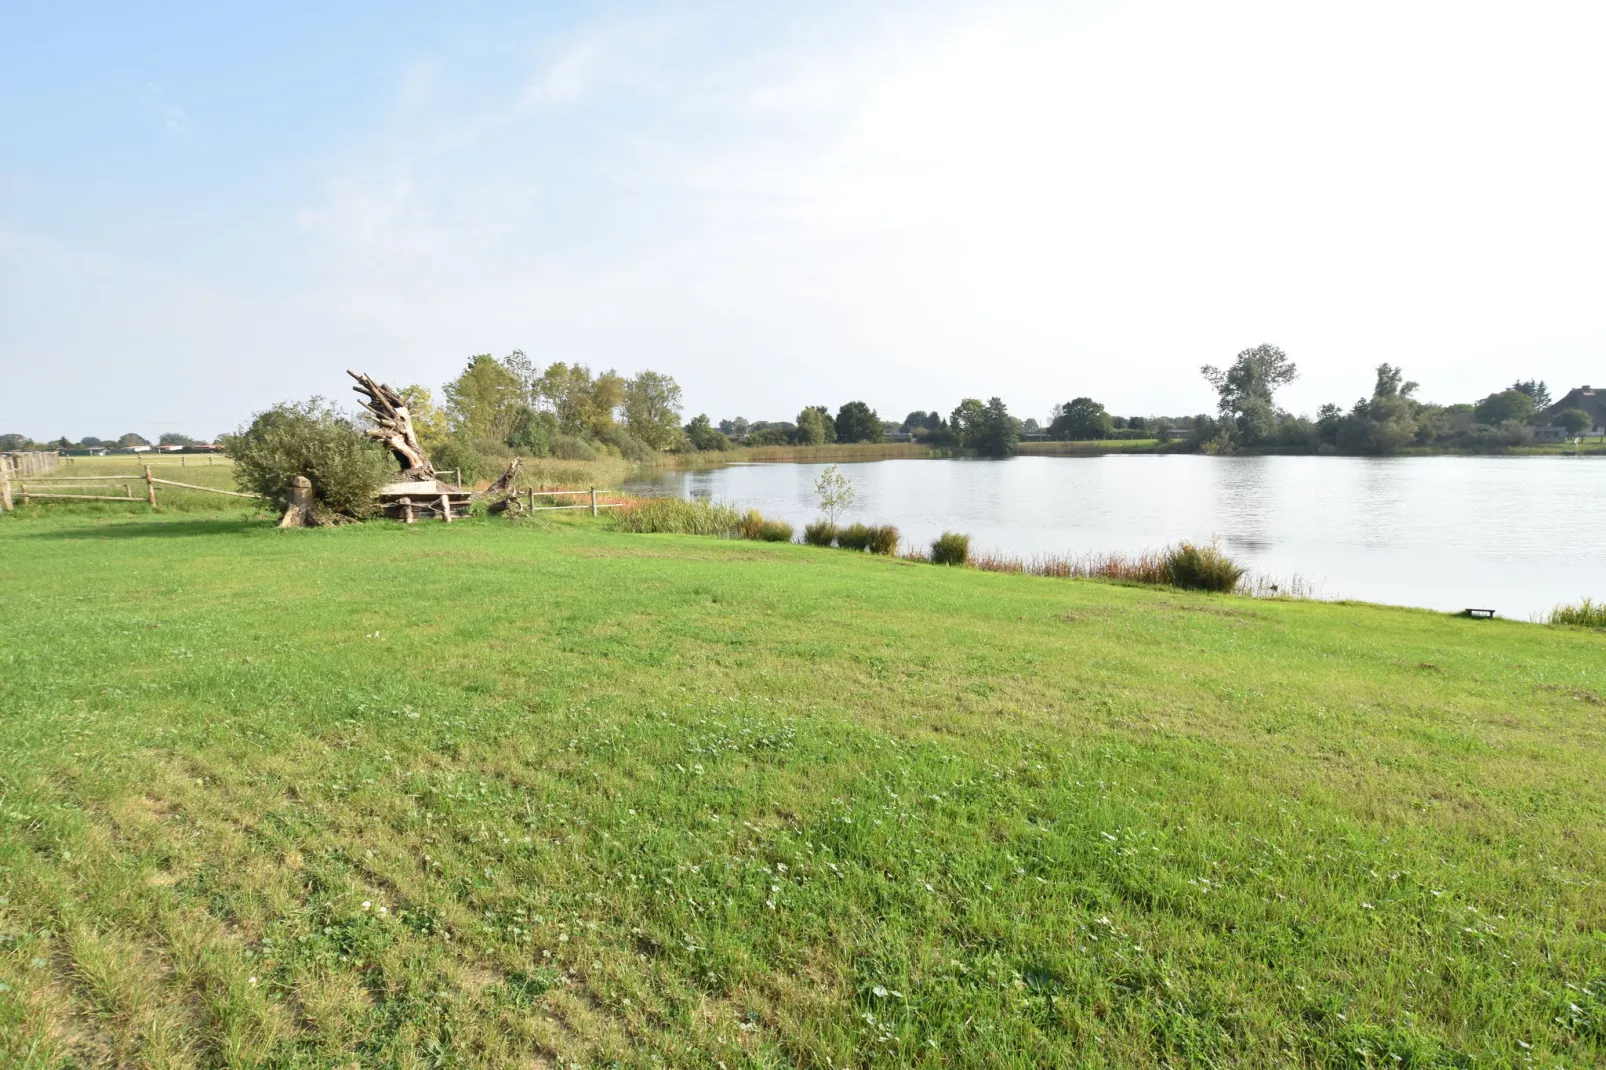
{"x": 1479, "y": 614}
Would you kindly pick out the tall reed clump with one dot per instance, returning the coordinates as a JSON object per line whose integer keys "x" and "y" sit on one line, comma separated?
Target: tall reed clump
{"x": 950, "y": 548}
{"x": 883, "y": 540}
{"x": 1586, "y": 614}
{"x": 775, "y": 531}
{"x": 751, "y": 525}
{"x": 672, "y": 516}
{"x": 819, "y": 533}
{"x": 1202, "y": 568}
{"x": 853, "y": 537}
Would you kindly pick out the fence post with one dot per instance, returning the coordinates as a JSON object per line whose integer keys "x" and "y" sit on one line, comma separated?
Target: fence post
{"x": 150, "y": 487}
{"x": 5, "y": 484}
{"x": 446, "y": 508}
{"x": 593, "y": 501}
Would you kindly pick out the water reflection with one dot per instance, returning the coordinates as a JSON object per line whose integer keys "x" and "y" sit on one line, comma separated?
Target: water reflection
{"x": 1519, "y": 534}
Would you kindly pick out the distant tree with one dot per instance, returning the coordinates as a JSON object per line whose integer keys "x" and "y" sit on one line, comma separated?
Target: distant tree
{"x": 1329, "y": 418}
{"x": 998, "y": 433}
{"x": 701, "y": 435}
{"x": 1246, "y": 391}
{"x": 778, "y": 434}
{"x": 13, "y": 441}
{"x": 815, "y": 426}
{"x": 132, "y": 439}
{"x": 429, "y": 423}
{"x": 1030, "y": 426}
{"x": 652, "y": 408}
{"x": 533, "y": 431}
{"x": 835, "y": 492}
{"x": 1381, "y": 424}
{"x": 736, "y": 428}
{"x": 1536, "y": 390}
{"x": 522, "y": 368}
{"x": 1118, "y": 422}
{"x": 966, "y": 422}
{"x": 857, "y": 422}
{"x": 1137, "y": 423}
{"x": 607, "y": 398}
{"x": 88, "y": 442}
{"x": 1390, "y": 383}
{"x": 173, "y": 438}
{"x": 1080, "y": 419}
{"x": 483, "y": 402}
{"x": 1496, "y": 409}
{"x": 913, "y": 420}
{"x": 1574, "y": 421}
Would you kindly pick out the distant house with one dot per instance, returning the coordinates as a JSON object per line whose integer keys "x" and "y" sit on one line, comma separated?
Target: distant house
{"x": 1584, "y": 398}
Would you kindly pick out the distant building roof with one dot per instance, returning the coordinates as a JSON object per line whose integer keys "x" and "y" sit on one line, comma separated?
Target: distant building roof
{"x": 1586, "y": 398}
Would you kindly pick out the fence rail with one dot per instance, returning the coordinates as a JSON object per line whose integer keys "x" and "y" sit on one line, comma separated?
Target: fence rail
{"x": 531, "y": 494}
{"x": 27, "y": 491}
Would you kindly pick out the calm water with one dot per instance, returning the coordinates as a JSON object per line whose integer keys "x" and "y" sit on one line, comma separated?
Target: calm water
{"x": 1517, "y": 534}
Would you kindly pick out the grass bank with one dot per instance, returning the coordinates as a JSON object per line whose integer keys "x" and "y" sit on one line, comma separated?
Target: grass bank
{"x": 537, "y": 793}
{"x": 1094, "y": 447}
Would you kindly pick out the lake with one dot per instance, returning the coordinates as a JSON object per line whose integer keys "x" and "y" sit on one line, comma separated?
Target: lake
{"x": 1516, "y": 534}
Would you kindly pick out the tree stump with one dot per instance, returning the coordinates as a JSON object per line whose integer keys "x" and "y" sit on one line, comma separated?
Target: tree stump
{"x": 300, "y": 512}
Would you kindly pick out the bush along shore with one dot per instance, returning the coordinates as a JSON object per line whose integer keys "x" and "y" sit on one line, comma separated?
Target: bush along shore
{"x": 1187, "y": 565}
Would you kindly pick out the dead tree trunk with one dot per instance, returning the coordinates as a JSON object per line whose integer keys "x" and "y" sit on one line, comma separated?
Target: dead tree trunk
{"x": 300, "y": 513}
{"x": 504, "y": 482}
{"x": 394, "y": 426}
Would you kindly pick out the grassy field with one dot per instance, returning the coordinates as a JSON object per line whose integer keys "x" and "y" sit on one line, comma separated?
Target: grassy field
{"x": 540, "y": 794}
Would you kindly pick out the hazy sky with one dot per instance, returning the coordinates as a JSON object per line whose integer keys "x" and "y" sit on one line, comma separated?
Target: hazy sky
{"x": 208, "y": 208}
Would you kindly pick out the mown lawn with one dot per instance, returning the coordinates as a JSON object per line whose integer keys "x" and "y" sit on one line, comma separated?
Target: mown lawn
{"x": 525, "y": 794}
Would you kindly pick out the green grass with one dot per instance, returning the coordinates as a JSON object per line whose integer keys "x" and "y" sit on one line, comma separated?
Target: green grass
{"x": 537, "y": 794}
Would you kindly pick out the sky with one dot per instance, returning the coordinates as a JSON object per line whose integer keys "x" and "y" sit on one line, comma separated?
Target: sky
{"x": 208, "y": 208}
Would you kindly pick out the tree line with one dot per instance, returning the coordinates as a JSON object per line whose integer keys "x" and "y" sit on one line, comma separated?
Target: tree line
{"x": 499, "y": 406}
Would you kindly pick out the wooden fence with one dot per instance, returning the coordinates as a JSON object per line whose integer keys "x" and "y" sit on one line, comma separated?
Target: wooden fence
{"x": 531, "y": 495}
{"x": 19, "y": 464}
{"x": 58, "y": 487}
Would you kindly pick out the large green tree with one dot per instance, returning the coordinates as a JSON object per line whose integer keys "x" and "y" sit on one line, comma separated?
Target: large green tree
{"x": 1246, "y": 391}
{"x": 815, "y": 426}
{"x": 1000, "y": 432}
{"x": 1496, "y": 409}
{"x": 652, "y": 408}
{"x": 484, "y": 401}
{"x": 1080, "y": 419}
{"x": 1574, "y": 421}
{"x": 858, "y": 422}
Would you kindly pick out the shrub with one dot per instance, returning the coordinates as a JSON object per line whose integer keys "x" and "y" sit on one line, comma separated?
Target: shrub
{"x": 820, "y": 533}
{"x": 311, "y": 439}
{"x": 676, "y": 517}
{"x": 1586, "y": 614}
{"x": 883, "y": 540}
{"x": 751, "y": 525}
{"x": 629, "y": 446}
{"x": 776, "y": 531}
{"x": 853, "y": 537}
{"x": 1202, "y": 568}
{"x": 569, "y": 448}
{"x": 950, "y": 548}
{"x": 473, "y": 460}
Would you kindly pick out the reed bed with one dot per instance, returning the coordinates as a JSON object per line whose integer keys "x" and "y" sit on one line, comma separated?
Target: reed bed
{"x": 1586, "y": 614}
{"x": 1178, "y": 566}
